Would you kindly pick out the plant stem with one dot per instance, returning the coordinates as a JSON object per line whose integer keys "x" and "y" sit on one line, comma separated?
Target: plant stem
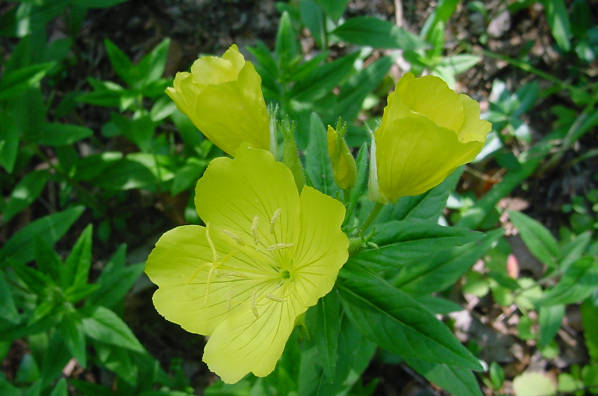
{"x": 375, "y": 211}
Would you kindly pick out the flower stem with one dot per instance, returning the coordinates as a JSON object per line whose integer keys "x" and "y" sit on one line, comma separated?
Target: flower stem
{"x": 375, "y": 211}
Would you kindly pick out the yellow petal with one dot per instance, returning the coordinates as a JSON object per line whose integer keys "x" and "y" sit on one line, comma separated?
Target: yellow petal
{"x": 251, "y": 192}
{"x": 223, "y": 98}
{"x": 414, "y": 155}
{"x": 193, "y": 293}
{"x": 473, "y": 128}
{"x": 322, "y": 248}
{"x": 243, "y": 343}
{"x": 428, "y": 96}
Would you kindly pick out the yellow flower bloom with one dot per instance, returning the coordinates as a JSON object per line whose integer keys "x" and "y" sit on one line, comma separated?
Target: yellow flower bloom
{"x": 427, "y": 131}
{"x": 223, "y": 98}
{"x": 266, "y": 254}
{"x": 343, "y": 164}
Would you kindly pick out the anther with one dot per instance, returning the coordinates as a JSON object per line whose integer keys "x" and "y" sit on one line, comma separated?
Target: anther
{"x": 273, "y": 220}
{"x": 253, "y": 305}
{"x": 233, "y": 236}
{"x": 273, "y": 298}
{"x": 278, "y": 246}
{"x": 211, "y": 243}
{"x": 254, "y": 225}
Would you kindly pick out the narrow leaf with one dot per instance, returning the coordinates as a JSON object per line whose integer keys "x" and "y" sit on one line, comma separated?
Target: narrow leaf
{"x": 105, "y": 326}
{"x": 20, "y": 247}
{"x": 377, "y": 33}
{"x": 396, "y": 322}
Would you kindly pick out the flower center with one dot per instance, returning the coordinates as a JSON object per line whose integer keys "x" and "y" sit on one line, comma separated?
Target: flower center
{"x": 285, "y": 274}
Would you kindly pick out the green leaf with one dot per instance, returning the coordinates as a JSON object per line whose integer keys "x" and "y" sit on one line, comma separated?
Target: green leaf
{"x": 285, "y": 49}
{"x": 396, "y": 322}
{"x": 24, "y": 193}
{"x": 105, "y": 326}
{"x": 456, "y": 380}
{"x": 402, "y": 244}
{"x": 28, "y": 370}
{"x": 120, "y": 62}
{"x": 574, "y": 249}
{"x": 324, "y": 79}
{"x": 60, "y": 388}
{"x": 99, "y": 3}
{"x": 56, "y": 134}
{"x": 533, "y": 384}
{"x": 76, "y": 267}
{"x": 89, "y": 388}
{"x": 313, "y": 18}
{"x": 377, "y": 33}
{"x": 578, "y": 282}
{"x": 137, "y": 170}
{"x": 333, "y": 8}
{"x": 71, "y": 328}
{"x": 114, "y": 284}
{"x": 354, "y": 92}
{"x": 94, "y": 165}
{"x": 317, "y": 163}
{"x": 17, "y": 81}
{"x": 151, "y": 67}
{"x": 537, "y": 238}
{"x": 187, "y": 175}
{"x": 556, "y": 13}
{"x": 8, "y": 311}
{"x": 438, "y": 305}
{"x": 30, "y": 17}
{"x": 20, "y": 247}
{"x": 440, "y": 15}
{"x": 497, "y": 376}
{"x": 324, "y": 322}
{"x": 138, "y": 130}
{"x": 589, "y": 316}
{"x": 460, "y": 63}
{"x": 550, "y": 319}
{"x": 424, "y": 207}
{"x": 9, "y": 140}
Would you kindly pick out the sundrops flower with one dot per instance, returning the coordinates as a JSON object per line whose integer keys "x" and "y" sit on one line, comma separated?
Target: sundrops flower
{"x": 223, "y": 98}
{"x": 427, "y": 131}
{"x": 266, "y": 254}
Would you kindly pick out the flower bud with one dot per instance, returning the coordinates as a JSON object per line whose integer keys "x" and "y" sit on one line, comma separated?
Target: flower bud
{"x": 427, "y": 131}
{"x": 223, "y": 98}
{"x": 343, "y": 163}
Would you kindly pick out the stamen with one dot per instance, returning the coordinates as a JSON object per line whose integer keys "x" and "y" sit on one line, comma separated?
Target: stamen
{"x": 254, "y": 225}
{"x": 253, "y": 305}
{"x": 234, "y": 236}
{"x": 273, "y": 220}
{"x": 212, "y": 268}
{"x": 278, "y": 246}
{"x": 273, "y": 298}
{"x": 211, "y": 243}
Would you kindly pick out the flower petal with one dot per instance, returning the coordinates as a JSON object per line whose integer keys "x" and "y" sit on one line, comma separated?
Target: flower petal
{"x": 428, "y": 96}
{"x": 192, "y": 291}
{"x": 252, "y": 196}
{"x": 414, "y": 155}
{"x": 243, "y": 343}
{"x": 473, "y": 128}
{"x": 322, "y": 249}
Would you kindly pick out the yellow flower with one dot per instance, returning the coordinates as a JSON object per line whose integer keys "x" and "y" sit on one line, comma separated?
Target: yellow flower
{"x": 266, "y": 254}
{"x": 343, "y": 164}
{"x": 427, "y": 131}
{"x": 223, "y": 98}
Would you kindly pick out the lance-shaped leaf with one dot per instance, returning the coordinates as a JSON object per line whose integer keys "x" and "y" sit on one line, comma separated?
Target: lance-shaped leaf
{"x": 398, "y": 323}
{"x": 578, "y": 282}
